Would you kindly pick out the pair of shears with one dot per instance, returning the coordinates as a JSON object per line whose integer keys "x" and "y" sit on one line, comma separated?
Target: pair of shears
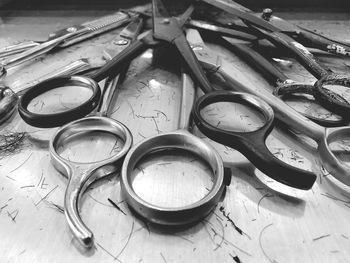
{"x": 80, "y": 175}
{"x": 169, "y": 30}
{"x": 277, "y": 36}
{"x": 213, "y": 62}
{"x": 62, "y": 38}
{"x": 284, "y": 86}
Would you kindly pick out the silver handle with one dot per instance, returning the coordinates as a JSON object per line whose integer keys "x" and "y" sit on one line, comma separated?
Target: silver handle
{"x": 70, "y": 69}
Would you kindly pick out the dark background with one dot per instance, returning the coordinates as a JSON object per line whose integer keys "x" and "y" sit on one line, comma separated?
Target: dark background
{"x": 340, "y": 5}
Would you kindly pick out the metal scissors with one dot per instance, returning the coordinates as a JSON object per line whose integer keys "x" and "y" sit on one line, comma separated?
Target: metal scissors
{"x": 322, "y": 136}
{"x": 62, "y": 38}
{"x": 284, "y": 85}
{"x": 9, "y": 98}
{"x": 184, "y": 140}
{"x": 125, "y": 37}
{"x": 168, "y": 30}
{"x": 81, "y": 175}
{"x": 277, "y": 36}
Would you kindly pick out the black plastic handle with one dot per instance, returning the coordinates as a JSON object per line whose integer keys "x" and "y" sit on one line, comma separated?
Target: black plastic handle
{"x": 59, "y": 118}
{"x": 252, "y": 144}
{"x": 116, "y": 64}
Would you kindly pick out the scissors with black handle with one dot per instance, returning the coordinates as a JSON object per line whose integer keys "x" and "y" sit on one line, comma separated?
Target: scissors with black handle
{"x": 284, "y": 86}
{"x": 212, "y": 62}
{"x": 55, "y": 119}
{"x": 168, "y": 30}
{"x": 277, "y": 36}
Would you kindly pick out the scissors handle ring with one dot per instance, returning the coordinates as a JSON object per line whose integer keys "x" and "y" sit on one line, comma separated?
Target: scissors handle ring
{"x": 285, "y": 91}
{"x": 60, "y": 118}
{"x": 180, "y": 139}
{"x": 332, "y": 101}
{"x": 81, "y": 175}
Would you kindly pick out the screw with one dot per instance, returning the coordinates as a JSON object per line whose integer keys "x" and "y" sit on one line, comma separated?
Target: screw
{"x": 166, "y": 21}
{"x": 121, "y": 42}
{"x": 267, "y": 13}
{"x": 71, "y": 29}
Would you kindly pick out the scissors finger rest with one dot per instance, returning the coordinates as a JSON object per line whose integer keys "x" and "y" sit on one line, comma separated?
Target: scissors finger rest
{"x": 81, "y": 175}
{"x": 252, "y": 143}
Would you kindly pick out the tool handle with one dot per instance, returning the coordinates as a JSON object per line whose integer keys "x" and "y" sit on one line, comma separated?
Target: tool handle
{"x": 35, "y": 52}
{"x": 323, "y": 43}
{"x": 17, "y": 48}
{"x": 8, "y": 102}
{"x": 252, "y": 144}
{"x": 116, "y": 64}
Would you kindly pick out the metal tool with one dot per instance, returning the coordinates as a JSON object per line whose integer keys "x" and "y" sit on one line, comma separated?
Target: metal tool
{"x": 212, "y": 62}
{"x": 184, "y": 140}
{"x": 277, "y": 36}
{"x": 81, "y": 175}
{"x": 9, "y": 98}
{"x": 284, "y": 85}
{"x": 126, "y": 36}
{"x": 66, "y": 37}
{"x": 167, "y": 30}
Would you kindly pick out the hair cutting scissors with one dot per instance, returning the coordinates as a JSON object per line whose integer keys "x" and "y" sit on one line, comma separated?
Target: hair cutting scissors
{"x": 124, "y": 39}
{"x": 284, "y": 85}
{"x": 9, "y": 98}
{"x": 81, "y": 175}
{"x": 168, "y": 30}
{"x": 277, "y": 36}
{"x": 62, "y": 38}
{"x": 323, "y": 136}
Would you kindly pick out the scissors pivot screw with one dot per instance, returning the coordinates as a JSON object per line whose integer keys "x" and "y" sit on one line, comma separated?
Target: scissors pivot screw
{"x": 266, "y": 14}
{"x": 121, "y": 42}
{"x": 72, "y": 29}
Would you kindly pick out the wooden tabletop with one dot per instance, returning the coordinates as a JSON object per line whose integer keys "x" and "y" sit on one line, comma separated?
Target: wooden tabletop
{"x": 259, "y": 220}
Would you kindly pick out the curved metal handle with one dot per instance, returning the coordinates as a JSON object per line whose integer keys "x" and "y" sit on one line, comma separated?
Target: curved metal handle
{"x": 35, "y": 51}
{"x": 76, "y": 186}
{"x": 8, "y": 102}
{"x": 252, "y": 144}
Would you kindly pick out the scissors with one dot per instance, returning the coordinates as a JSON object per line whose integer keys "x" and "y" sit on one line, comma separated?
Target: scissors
{"x": 277, "y": 36}
{"x": 9, "y": 98}
{"x": 284, "y": 85}
{"x": 168, "y": 30}
{"x": 81, "y": 175}
{"x": 321, "y": 135}
{"x": 184, "y": 140}
{"x": 55, "y": 119}
{"x": 62, "y": 38}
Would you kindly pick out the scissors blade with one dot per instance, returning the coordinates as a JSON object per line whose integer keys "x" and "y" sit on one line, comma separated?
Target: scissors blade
{"x": 159, "y": 10}
{"x": 124, "y": 38}
{"x": 239, "y": 11}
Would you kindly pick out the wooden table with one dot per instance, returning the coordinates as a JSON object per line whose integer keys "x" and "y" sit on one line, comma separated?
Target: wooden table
{"x": 258, "y": 221}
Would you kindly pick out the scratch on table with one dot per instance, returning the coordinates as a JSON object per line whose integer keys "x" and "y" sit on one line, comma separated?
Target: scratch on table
{"x": 97, "y": 201}
{"x": 109, "y": 253}
{"x": 262, "y": 198}
{"x": 21, "y": 164}
{"x": 28, "y": 186}
{"x": 261, "y": 246}
{"x": 184, "y": 238}
{"x": 127, "y": 242}
{"x": 44, "y": 198}
{"x": 320, "y": 237}
{"x": 335, "y": 198}
{"x": 155, "y": 123}
{"x": 219, "y": 245}
{"x": 13, "y": 217}
{"x": 10, "y": 178}
{"x": 42, "y": 174}
{"x": 163, "y": 257}
{"x": 344, "y": 236}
